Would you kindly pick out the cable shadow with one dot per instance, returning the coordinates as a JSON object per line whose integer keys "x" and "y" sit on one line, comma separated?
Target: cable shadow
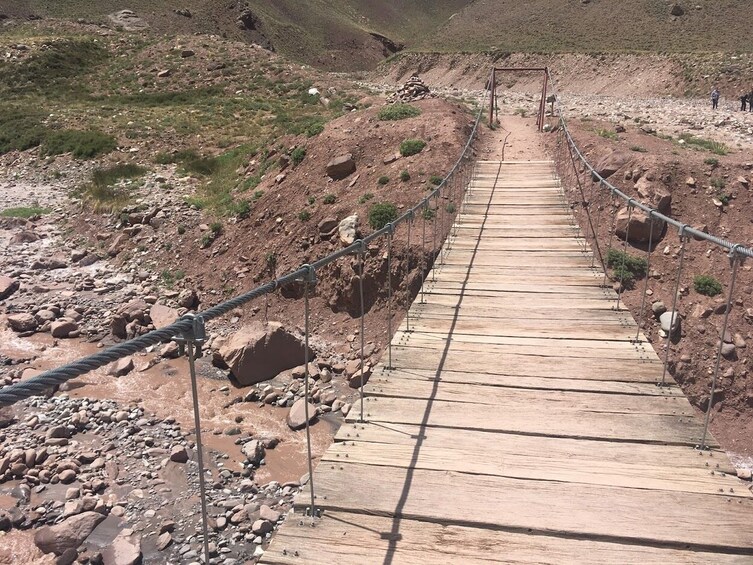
{"x": 394, "y": 534}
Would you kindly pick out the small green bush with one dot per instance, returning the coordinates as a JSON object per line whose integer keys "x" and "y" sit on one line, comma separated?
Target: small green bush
{"x": 626, "y": 267}
{"x": 111, "y": 175}
{"x": 709, "y": 145}
{"x": 83, "y": 144}
{"x": 311, "y": 200}
{"x": 428, "y": 214}
{"x": 436, "y": 180}
{"x": 240, "y": 209}
{"x": 169, "y": 278}
{"x": 719, "y": 183}
{"x": 381, "y": 214}
{"x": 607, "y": 133}
{"x": 383, "y": 180}
{"x": 25, "y": 212}
{"x": 314, "y": 129}
{"x": 638, "y": 149}
{"x": 258, "y": 194}
{"x": 412, "y": 147}
{"x": 707, "y": 285}
{"x": 451, "y": 208}
{"x": 297, "y": 156}
{"x": 304, "y": 216}
{"x": 181, "y": 229}
{"x": 329, "y": 199}
{"x": 404, "y": 176}
{"x": 215, "y": 228}
{"x": 712, "y": 161}
{"x": 365, "y": 198}
{"x": 207, "y": 239}
{"x": 398, "y": 112}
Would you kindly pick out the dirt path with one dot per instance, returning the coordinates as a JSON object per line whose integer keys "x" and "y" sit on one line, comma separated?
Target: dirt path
{"x": 515, "y": 140}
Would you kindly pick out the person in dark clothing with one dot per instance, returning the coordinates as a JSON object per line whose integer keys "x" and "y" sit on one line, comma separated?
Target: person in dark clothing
{"x": 743, "y": 101}
{"x": 715, "y": 98}
{"x": 750, "y": 101}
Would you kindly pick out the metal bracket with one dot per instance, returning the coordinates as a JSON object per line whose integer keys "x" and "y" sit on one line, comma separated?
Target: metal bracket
{"x": 735, "y": 255}
{"x": 310, "y": 276}
{"x": 197, "y": 334}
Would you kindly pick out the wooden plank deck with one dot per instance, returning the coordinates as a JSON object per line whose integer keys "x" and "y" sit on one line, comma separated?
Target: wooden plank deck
{"x": 521, "y": 422}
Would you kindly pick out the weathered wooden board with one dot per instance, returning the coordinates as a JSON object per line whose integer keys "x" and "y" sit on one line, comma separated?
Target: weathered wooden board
{"x": 341, "y": 537}
{"x": 618, "y": 514}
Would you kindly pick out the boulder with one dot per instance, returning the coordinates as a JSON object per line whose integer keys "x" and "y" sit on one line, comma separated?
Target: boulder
{"x": 117, "y": 245}
{"x": 7, "y": 287}
{"x": 162, "y": 315}
{"x": 328, "y": 227}
{"x": 341, "y": 167}
{"x": 669, "y": 320}
{"x": 348, "y": 229}
{"x": 63, "y": 327}
{"x": 188, "y": 299}
{"x": 677, "y": 10}
{"x": 120, "y": 367}
{"x": 179, "y": 454}
{"x": 297, "y": 414}
{"x": 612, "y": 163}
{"x": 256, "y": 352}
{"x": 254, "y": 451}
{"x": 262, "y": 527}
{"x": 654, "y": 195}
{"x": 67, "y": 534}
{"x": 637, "y": 226}
{"x": 24, "y": 322}
{"x": 124, "y": 550}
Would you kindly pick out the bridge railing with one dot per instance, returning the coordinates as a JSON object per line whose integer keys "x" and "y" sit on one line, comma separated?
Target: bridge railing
{"x": 604, "y": 196}
{"x": 190, "y": 330}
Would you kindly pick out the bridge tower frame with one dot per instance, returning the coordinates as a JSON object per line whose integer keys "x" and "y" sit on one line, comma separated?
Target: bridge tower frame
{"x": 493, "y": 91}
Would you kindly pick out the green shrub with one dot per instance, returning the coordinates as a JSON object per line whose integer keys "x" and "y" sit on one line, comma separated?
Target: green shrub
{"x": 207, "y": 239}
{"x": 181, "y": 229}
{"x": 707, "y": 144}
{"x": 719, "y": 183}
{"x": 607, "y": 133}
{"x": 428, "y": 214}
{"x": 314, "y": 129}
{"x": 111, "y": 175}
{"x": 329, "y": 199}
{"x": 412, "y": 147}
{"x": 25, "y": 212}
{"x": 638, "y": 149}
{"x": 712, "y": 161}
{"x": 383, "y": 180}
{"x": 297, "y": 156}
{"x": 240, "y": 209}
{"x": 451, "y": 208}
{"x": 436, "y": 180}
{"x": 304, "y": 216}
{"x": 404, "y": 176}
{"x": 83, "y": 144}
{"x": 381, "y": 214}
{"x": 169, "y": 278}
{"x": 365, "y": 198}
{"x": 398, "y": 112}
{"x": 626, "y": 267}
{"x": 311, "y": 200}
{"x": 707, "y": 285}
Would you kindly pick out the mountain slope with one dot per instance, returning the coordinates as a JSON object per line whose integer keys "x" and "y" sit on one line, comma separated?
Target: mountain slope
{"x": 595, "y": 26}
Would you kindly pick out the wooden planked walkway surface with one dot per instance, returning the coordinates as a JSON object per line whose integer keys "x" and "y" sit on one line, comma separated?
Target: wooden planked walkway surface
{"x": 521, "y": 423}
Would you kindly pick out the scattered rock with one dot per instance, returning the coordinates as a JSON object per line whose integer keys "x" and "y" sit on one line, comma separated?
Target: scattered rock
{"x": 669, "y": 320}
{"x": 63, "y": 328}
{"x": 121, "y": 367}
{"x": 179, "y": 454}
{"x": 297, "y": 414}
{"x": 348, "y": 229}
{"x": 22, "y": 322}
{"x": 68, "y": 534}
{"x": 257, "y": 352}
{"x": 7, "y": 286}
{"x": 341, "y": 167}
{"x": 124, "y": 550}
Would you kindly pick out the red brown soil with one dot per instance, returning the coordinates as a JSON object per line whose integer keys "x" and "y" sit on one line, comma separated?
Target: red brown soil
{"x": 692, "y": 359}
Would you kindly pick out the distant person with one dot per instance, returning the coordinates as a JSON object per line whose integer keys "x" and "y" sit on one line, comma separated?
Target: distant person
{"x": 750, "y": 101}
{"x": 714, "y": 98}
{"x": 743, "y": 101}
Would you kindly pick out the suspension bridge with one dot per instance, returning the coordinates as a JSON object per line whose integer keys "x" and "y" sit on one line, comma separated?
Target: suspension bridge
{"x": 522, "y": 421}
{"x": 520, "y": 415}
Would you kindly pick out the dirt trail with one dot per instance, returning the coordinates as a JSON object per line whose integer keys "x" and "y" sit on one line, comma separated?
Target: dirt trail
{"x": 515, "y": 140}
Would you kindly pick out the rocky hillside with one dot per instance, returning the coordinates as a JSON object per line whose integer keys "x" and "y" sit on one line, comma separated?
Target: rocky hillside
{"x": 358, "y": 34}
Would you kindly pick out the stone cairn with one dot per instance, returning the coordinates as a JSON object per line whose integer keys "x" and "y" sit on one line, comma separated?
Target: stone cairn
{"x": 414, "y": 89}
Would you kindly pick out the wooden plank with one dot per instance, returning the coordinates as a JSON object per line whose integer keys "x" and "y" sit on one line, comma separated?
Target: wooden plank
{"x": 341, "y": 537}
{"x": 400, "y": 380}
{"x": 509, "y": 398}
{"x": 463, "y": 327}
{"x": 543, "y": 344}
{"x": 583, "y": 451}
{"x": 494, "y": 460}
{"x": 649, "y": 517}
{"x": 540, "y": 419}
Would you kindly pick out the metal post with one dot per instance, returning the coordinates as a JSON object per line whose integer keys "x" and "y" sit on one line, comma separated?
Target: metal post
{"x": 389, "y": 296}
{"x": 434, "y": 247}
{"x": 310, "y": 279}
{"x": 596, "y": 232}
{"x": 674, "y": 312}
{"x": 423, "y": 250}
{"x": 190, "y": 339}
{"x": 360, "y": 289}
{"x": 735, "y": 262}
{"x": 407, "y": 276}
{"x": 605, "y": 260}
{"x": 624, "y": 253}
{"x": 648, "y": 272}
